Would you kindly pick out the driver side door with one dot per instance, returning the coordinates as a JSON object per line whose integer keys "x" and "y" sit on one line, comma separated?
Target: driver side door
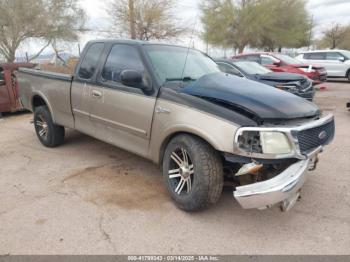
{"x": 122, "y": 115}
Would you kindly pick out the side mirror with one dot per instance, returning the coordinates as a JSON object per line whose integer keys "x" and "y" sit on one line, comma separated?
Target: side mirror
{"x": 342, "y": 59}
{"x": 131, "y": 78}
{"x": 278, "y": 63}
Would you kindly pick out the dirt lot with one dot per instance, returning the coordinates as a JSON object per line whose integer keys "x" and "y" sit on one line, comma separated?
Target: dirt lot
{"x": 88, "y": 197}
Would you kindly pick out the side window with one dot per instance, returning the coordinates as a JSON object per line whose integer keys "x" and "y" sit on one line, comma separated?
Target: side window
{"x": 334, "y": 56}
{"x": 317, "y": 56}
{"x": 90, "y": 61}
{"x": 120, "y": 58}
{"x": 253, "y": 58}
{"x": 266, "y": 60}
{"x": 229, "y": 69}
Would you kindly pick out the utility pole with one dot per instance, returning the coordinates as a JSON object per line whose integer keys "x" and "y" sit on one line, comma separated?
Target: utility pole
{"x": 132, "y": 19}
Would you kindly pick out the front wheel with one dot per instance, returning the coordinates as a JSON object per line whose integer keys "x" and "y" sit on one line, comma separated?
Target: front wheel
{"x": 348, "y": 75}
{"x": 192, "y": 172}
{"x": 49, "y": 134}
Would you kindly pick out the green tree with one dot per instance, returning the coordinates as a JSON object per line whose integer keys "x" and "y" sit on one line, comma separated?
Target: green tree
{"x": 228, "y": 23}
{"x": 47, "y": 20}
{"x": 267, "y": 24}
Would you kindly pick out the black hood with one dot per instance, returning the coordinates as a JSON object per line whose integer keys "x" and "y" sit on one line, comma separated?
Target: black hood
{"x": 260, "y": 101}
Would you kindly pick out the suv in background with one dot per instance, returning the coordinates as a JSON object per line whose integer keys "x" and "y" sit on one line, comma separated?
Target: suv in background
{"x": 336, "y": 62}
{"x": 283, "y": 63}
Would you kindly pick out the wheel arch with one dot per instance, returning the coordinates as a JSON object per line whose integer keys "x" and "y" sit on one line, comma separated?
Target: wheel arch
{"x": 39, "y": 99}
{"x": 170, "y": 136}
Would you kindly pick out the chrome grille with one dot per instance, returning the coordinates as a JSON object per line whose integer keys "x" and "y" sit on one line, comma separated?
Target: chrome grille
{"x": 312, "y": 138}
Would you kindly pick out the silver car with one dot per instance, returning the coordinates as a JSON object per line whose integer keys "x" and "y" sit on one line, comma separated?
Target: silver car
{"x": 336, "y": 62}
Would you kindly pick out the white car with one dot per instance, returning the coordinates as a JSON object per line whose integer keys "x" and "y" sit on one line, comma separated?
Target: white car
{"x": 336, "y": 62}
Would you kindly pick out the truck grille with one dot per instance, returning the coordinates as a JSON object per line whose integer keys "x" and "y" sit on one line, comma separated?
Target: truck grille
{"x": 312, "y": 138}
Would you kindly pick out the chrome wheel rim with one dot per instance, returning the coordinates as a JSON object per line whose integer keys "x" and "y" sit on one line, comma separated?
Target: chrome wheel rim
{"x": 42, "y": 127}
{"x": 181, "y": 171}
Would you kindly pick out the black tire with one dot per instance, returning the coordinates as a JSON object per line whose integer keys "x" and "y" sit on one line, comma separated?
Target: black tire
{"x": 53, "y": 135}
{"x": 206, "y": 180}
{"x": 348, "y": 75}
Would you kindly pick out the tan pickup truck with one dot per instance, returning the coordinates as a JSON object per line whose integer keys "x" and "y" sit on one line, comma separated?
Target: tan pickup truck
{"x": 173, "y": 106}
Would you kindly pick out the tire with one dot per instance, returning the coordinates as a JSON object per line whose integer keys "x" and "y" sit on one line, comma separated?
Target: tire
{"x": 49, "y": 134}
{"x": 348, "y": 75}
{"x": 202, "y": 176}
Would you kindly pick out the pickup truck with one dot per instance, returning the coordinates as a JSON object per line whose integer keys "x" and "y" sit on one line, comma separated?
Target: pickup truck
{"x": 174, "y": 106}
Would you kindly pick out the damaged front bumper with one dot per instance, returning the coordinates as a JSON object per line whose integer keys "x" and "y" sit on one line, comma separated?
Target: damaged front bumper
{"x": 282, "y": 189}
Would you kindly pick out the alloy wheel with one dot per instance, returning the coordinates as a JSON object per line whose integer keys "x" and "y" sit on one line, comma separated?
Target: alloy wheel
{"x": 181, "y": 174}
{"x": 42, "y": 127}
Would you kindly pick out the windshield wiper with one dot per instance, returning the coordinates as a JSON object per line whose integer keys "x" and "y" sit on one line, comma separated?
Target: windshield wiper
{"x": 184, "y": 79}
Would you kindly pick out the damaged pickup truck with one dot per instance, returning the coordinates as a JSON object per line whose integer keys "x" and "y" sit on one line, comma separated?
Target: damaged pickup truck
{"x": 173, "y": 106}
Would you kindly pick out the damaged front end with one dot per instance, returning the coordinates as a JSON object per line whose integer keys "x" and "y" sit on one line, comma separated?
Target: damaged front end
{"x": 270, "y": 164}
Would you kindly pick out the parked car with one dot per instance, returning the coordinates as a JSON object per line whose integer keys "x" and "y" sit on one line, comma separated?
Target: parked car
{"x": 336, "y": 62}
{"x": 283, "y": 63}
{"x": 9, "y": 98}
{"x": 174, "y": 106}
{"x": 294, "y": 83}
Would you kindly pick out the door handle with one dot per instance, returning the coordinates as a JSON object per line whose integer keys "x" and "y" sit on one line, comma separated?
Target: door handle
{"x": 96, "y": 94}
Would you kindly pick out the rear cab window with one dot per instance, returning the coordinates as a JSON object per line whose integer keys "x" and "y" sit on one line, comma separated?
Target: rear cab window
{"x": 90, "y": 62}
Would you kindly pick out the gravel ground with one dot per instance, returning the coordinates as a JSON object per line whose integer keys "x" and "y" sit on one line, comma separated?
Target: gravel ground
{"x": 87, "y": 197}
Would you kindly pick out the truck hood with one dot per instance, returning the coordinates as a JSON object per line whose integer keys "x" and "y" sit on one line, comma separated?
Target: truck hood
{"x": 258, "y": 101}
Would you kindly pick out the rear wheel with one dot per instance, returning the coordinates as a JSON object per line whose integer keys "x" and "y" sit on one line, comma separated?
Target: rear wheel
{"x": 348, "y": 75}
{"x": 49, "y": 134}
{"x": 192, "y": 172}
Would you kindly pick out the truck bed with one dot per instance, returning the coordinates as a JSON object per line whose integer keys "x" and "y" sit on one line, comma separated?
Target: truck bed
{"x": 54, "y": 88}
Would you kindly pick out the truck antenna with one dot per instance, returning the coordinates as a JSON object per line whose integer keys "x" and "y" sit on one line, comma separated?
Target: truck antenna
{"x": 189, "y": 46}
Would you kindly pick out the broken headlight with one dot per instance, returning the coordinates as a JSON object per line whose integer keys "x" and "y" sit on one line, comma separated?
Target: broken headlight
{"x": 264, "y": 142}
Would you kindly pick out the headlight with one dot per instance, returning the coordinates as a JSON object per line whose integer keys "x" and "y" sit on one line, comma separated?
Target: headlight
{"x": 274, "y": 143}
{"x": 264, "y": 142}
{"x": 308, "y": 70}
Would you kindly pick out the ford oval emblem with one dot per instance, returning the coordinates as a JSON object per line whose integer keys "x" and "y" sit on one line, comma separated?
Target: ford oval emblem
{"x": 322, "y": 135}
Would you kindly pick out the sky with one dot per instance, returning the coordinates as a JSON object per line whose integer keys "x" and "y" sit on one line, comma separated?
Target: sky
{"x": 324, "y": 12}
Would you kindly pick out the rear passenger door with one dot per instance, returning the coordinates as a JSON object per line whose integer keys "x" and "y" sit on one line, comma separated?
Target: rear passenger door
{"x": 122, "y": 115}
{"x": 81, "y": 88}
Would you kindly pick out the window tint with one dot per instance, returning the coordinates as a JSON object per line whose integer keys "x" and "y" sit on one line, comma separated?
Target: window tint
{"x": 120, "y": 58}
{"x": 253, "y": 58}
{"x": 226, "y": 68}
{"x": 266, "y": 60}
{"x": 315, "y": 56}
{"x": 334, "y": 56}
{"x": 90, "y": 62}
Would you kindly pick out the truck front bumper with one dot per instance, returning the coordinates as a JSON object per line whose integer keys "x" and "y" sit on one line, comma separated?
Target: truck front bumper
{"x": 283, "y": 188}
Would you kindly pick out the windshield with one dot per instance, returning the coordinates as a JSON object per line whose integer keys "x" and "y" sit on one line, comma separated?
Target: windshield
{"x": 346, "y": 53}
{"x": 169, "y": 63}
{"x": 287, "y": 59}
{"x": 252, "y": 68}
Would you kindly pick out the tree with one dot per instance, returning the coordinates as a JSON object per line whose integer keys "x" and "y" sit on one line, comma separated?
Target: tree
{"x": 267, "y": 24}
{"x": 228, "y": 24}
{"x": 145, "y": 20}
{"x": 334, "y": 36}
{"x": 47, "y": 20}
